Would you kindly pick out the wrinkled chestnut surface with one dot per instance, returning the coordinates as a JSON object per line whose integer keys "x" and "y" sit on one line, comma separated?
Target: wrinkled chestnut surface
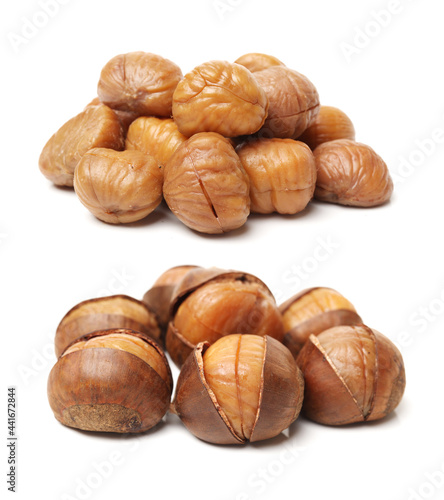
{"x": 96, "y": 126}
{"x": 351, "y": 173}
{"x": 111, "y": 381}
{"x": 293, "y": 102}
{"x": 125, "y": 117}
{"x": 116, "y": 311}
{"x": 352, "y": 374}
{"x": 256, "y": 61}
{"x": 118, "y": 187}
{"x": 140, "y": 82}
{"x": 312, "y": 311}
{"x": 205, "y": 185}
{"x": 282, "y": 174}
{"x": 219, "y": 96}
{"x": 241, "y": 388}
{"x": 158, "y": 137}
{"x": 329, "y": 125}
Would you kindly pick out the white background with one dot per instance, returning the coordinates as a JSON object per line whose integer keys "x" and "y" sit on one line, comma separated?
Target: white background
{"x": 387, "y": 261}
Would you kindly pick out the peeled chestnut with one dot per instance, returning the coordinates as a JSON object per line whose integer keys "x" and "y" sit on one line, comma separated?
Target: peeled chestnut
{"x": 111, "y": 381}
{"x": 242, "y": 388}
{"x": 115, "y": 311}
{"x": 158, "y": 137}
{"x": 158, "y": 297}
{"x": 256, "y": 61}
{"x": 293, "y": 102}
{"x": 205, "y": 185}
{"x": 125, "y": 117}
{"x": 330, "y": 124}
{"x": 219, "y": 96}
{"x": 352, "y": 374}
{"x": 351, "y": 173}
{"x": 118, "y": 186}
{"x": 139, "y": 82}
{"x": 311, "y": 312}
{"x": 95, "y": 127}
{"x": 282, "y": 174}
{"x": 212, "y": 303}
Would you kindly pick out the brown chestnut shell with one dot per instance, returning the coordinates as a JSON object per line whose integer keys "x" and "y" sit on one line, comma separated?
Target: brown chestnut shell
{"x": 177, "y": 345}
{"x": 200, "y": 276}
{"x": 105, "y": 313}
{"x": 159, "y": 296}
{"x": 280, "y": 401}
{"x": 296, "y": 336}
{"x": 329, "y": 397}
{"x": 109, "y": 390}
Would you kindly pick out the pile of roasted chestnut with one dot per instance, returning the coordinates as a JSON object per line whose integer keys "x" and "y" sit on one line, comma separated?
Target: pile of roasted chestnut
{"x": 243, "y": 359}
{"x": 217, "y": 143}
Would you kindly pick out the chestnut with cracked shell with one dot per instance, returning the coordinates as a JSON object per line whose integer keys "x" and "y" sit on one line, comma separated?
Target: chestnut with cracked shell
{"x": 242, "y": 388}
{"x": 211, "y": 303}
{"x": 311, "y": 312}
{"x": 158, "y": 297}
{"x": 352, "y": 374}
{"x": 114, "y": 311}
{"x": 111, "y": 381}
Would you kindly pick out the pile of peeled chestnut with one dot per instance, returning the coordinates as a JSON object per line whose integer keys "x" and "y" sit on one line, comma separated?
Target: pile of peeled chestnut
{"x": 247, "y": 366}
{"x": 220, "y": 142}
